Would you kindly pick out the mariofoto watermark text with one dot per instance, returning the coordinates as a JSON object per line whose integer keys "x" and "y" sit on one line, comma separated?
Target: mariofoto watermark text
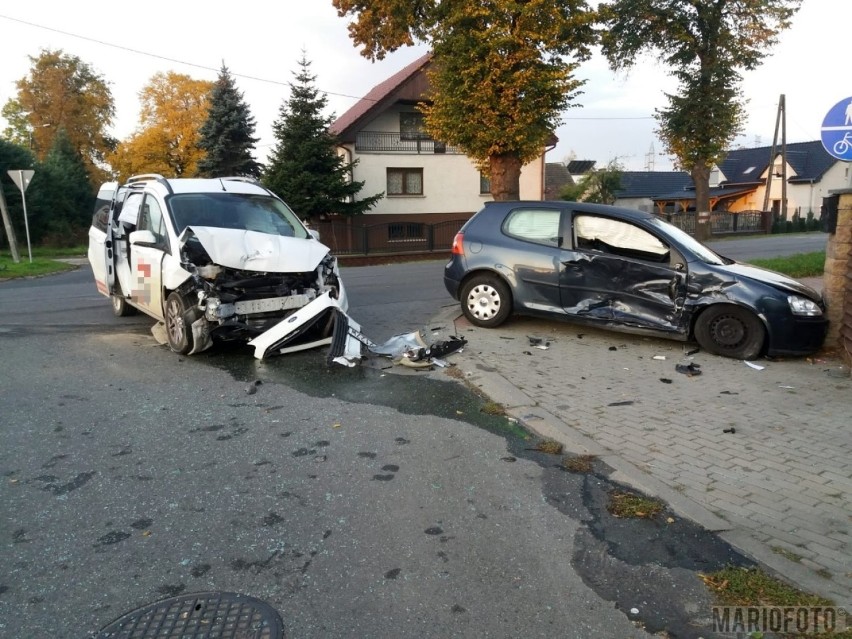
{"x": 784, "y": 619}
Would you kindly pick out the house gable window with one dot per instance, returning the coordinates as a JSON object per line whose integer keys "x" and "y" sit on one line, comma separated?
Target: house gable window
{"x": 411, "y": 126}
{"x": 402, "y": 182}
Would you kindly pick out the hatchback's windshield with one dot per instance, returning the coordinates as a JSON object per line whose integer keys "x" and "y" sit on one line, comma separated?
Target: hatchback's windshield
{"x": 688, "y": 242}
{"x": 243, "y": 211}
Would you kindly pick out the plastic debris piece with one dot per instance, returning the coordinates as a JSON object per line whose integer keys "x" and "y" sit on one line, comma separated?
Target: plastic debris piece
{"x": 628, "y": 402}
{"x": 756, "y": 367}
{"x": 442, "y": 363}
{"x": 613, "y": 348}
{"x": 512, "y": 420}
{"x": 690, "y": 370}
{"x": 534, "y": 341}
{"x": 508, "y": 459}
{"x": 659, "y": 357}
{"x": 542, "y": 347}
{"x": 419, "y": 364}
{"x": 787, "y": 387}
{"x": 692, "y": 351}
{"x": 670, "y": 520}
{"x": 336, "y": 425}
{"x": 527, "y": 353}
{"x": 634, "y": 611}
{"x": 443, "y": 348}
{"x": 665, "y": 380}
{"x": 730, "y": 430}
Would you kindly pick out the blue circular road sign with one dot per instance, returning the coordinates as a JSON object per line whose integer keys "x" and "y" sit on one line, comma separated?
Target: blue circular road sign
{"x": 837, "y": 130}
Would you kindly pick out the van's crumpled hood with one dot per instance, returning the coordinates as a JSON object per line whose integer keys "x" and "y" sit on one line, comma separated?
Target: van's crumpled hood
{"x": 778, "y": 280}
{"x": 253, "y": 251}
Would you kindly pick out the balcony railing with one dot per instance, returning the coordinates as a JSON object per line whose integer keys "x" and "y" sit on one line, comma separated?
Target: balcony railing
{"x": 381, "y": 142}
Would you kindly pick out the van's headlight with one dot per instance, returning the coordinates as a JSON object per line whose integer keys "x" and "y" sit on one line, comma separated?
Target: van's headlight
{"x": 803, "y": 306}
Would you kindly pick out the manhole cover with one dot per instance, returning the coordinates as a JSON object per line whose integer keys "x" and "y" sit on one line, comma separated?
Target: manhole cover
{"x": 213, "y": 615}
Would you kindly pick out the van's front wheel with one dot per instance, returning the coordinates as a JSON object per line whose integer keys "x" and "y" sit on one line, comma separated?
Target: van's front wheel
{"x": 179, "y": 319}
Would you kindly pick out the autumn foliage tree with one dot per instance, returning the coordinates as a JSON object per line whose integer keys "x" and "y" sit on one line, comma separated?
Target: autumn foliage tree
{"x": 304, "y": 168}
{"x": 501, "y": 73}
{"x": 173, "y": 109}
{"x": 707, "y": 46}
{"x": 62, "y": 92}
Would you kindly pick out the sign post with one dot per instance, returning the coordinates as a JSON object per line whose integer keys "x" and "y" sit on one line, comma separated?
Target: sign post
{"x": 837, "y": 130}
{"x": 22, "y": 178}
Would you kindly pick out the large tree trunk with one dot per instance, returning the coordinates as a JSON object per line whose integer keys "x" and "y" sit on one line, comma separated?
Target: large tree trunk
{"x": 505, "y": 176}
{"x": 701, "y": 180}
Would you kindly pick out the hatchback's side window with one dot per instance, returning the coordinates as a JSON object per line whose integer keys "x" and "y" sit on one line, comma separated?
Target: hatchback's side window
{"x": 534, "y": 225}
{"x": 617, "y": 238}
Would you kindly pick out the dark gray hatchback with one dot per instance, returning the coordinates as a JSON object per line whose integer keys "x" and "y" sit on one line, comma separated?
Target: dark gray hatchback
{"x": 626, "y": 270}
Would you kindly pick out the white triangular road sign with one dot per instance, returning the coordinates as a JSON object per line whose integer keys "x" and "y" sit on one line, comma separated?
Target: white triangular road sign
{"x": 21, "y": 178}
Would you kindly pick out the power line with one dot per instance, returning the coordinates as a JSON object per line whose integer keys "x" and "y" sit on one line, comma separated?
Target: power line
{"x": 238, "y": 75}
{"x": 162, "y": 57}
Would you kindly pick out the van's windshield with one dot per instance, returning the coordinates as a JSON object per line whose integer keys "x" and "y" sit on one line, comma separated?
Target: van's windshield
{"x": 245, "y": 211}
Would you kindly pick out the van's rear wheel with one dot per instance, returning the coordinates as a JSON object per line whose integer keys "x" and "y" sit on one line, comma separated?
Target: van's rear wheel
{"x": 120, "y": 307}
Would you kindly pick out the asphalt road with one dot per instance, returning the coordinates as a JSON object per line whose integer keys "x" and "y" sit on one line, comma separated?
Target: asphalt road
{"x": 357, "y": 502}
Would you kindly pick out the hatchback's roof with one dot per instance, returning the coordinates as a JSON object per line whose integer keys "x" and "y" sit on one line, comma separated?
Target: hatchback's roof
{"x": 604, "y": 209}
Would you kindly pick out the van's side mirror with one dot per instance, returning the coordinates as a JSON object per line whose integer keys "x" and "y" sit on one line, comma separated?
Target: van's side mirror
{"x": 143, "y": 238}
{"x": 314, "y": 234}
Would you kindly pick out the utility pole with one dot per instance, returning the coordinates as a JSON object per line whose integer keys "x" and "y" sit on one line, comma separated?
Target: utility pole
{"x": 10, "y": 230}
{"x": 780, "y": 121}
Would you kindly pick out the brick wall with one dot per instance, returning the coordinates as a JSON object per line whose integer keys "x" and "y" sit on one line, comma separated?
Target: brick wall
{"x": 838, "y": 279}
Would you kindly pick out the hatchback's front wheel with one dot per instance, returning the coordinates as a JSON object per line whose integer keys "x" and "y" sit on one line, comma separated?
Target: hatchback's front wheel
{"x": 486, "y": 301}
{"x": 730, "y": 331}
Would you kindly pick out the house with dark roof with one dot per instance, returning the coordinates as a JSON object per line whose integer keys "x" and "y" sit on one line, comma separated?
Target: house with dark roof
{"x": 580, "y": 169}
{"x": 556, "y": 176}
{"x": 741, "y": 181}
{"x": 424, "y": 180}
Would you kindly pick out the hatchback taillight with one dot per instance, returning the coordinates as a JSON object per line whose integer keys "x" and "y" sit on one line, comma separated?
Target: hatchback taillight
{"x": 458, "y": 248}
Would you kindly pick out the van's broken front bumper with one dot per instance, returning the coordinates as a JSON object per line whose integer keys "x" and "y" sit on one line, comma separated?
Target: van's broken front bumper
{"x": 298, "y": 331}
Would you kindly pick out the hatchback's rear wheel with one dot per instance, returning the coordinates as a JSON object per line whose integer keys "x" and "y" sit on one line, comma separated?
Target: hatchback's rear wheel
{"x": 179, "y": 319}
{"x": 486, "y": 301}
{"x": 730, "y": 331}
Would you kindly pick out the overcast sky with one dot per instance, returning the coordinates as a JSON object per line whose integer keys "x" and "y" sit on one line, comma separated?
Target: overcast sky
{"x": 261, "y": 43}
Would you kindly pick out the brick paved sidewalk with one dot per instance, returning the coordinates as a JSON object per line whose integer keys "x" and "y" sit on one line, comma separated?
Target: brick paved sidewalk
{"x": 779, "y": 488}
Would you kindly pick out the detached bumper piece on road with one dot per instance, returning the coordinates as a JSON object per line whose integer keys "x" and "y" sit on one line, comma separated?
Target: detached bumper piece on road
{"x": 348, "y": 345}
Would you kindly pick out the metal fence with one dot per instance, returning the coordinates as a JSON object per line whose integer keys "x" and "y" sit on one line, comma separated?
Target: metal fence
{"x": 721, "y": 222}
{"x": 390, "y": 237}
{"x": 344, "y": 238}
